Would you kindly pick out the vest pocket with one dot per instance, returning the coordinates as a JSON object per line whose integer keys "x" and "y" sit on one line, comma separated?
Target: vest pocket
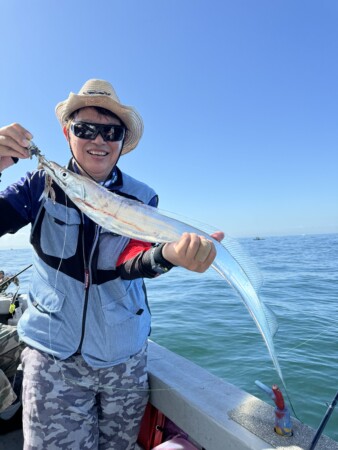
{"x": 59, "y": 230}
{"x": 44, "y": 318}
{"x": 44, "y": 297}
{"x": 128, "y": 301}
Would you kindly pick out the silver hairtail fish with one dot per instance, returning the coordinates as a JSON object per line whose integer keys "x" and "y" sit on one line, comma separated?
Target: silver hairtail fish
{"x": 139, "y": 221}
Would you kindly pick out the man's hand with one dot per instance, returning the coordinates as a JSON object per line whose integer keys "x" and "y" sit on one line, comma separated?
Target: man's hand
{"x": 14, "y": 140}
{"x": 192, "y": 252}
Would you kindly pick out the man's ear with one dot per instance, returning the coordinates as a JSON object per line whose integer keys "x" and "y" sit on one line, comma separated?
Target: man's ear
{"x": 65, "y": 132}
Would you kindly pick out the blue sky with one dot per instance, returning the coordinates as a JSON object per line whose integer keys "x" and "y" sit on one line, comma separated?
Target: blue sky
{"x": 239, "y": 100}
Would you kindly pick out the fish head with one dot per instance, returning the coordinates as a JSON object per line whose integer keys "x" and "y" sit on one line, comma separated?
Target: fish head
{"x": 67, "y": 180}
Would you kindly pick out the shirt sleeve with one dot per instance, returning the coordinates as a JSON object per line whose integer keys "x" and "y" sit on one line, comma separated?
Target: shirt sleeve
{"x": 147, "y": 263}
{"x": 11, "y": 221}
{"x": 20, "y": 202}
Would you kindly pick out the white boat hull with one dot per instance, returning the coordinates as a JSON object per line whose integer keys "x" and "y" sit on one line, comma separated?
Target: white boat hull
{"x": 215, "y": 414}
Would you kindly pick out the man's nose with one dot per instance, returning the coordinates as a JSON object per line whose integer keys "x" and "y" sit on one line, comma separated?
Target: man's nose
{"x": 99, "y": 138}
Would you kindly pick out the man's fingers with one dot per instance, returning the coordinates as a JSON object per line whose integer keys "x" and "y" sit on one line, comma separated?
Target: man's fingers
{"x": 218, "y": 235}
{"x": 14, "y": 138}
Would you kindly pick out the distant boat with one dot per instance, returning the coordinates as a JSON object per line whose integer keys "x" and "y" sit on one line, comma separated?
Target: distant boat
{"x": 257, "y": 238}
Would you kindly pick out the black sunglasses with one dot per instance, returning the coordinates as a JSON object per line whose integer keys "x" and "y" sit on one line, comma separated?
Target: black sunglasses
{"x": 110, "y": 133}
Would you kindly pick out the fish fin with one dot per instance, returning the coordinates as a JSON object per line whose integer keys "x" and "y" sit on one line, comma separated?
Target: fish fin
{"x": 235, "y": 249}
{"x": 246, "y": 262}
{"x": 271, "y": 319}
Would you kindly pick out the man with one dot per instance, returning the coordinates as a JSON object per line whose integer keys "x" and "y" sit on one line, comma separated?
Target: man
{"x": 88, "y": 319}
{"x": 4, "y": 283}
{"x": 10, "y": 379}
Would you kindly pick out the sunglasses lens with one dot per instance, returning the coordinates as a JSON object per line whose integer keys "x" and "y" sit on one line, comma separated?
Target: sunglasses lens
{"x": 110, "y": 133}
{"x": 84, "y": 130}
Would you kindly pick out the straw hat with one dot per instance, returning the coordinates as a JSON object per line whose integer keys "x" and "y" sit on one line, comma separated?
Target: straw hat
{"x": 101, "y": 93}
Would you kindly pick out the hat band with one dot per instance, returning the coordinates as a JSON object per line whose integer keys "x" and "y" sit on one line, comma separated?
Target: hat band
{"x": 93, "y": 92}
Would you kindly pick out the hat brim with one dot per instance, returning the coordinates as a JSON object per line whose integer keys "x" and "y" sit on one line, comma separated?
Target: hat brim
{"x": 127, "y": 114}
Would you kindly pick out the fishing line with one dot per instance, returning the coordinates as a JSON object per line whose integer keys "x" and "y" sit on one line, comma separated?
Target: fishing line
{"x": 55, "y": 360}
{"x": 251, "y": 270}
{"x": 55, "y": 284}
{"x": 232, "y": 250}
{"x": 50, "y": 314}
{"x": 306, "y": 341}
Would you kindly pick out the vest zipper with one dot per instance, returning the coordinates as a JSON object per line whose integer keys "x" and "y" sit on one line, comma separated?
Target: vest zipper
{"x": 87, "y": 279}
{"x": 86, "y": 283}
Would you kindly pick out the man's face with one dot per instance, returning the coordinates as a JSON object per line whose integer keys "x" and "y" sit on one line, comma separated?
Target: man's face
{"x": 97, "y": 157}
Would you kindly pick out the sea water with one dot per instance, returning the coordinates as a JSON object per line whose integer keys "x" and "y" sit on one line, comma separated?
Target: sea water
{"x": 203, "y": 319}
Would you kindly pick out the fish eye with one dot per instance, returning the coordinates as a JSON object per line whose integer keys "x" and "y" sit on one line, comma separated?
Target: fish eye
{"x": 64, "y": 174}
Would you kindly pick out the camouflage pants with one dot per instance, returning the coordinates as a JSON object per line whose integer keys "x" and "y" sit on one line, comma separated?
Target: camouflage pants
{"x": 10, "y": 351}
{"x": 69, "y": 405}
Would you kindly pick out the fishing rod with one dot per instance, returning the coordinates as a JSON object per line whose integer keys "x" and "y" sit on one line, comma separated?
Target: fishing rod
{"x": 14, "y": 276}
{"x": 324, "y": 422}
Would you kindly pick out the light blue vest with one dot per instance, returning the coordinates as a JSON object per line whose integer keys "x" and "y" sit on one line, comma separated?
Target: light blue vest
{"x": 110, "y": 320}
